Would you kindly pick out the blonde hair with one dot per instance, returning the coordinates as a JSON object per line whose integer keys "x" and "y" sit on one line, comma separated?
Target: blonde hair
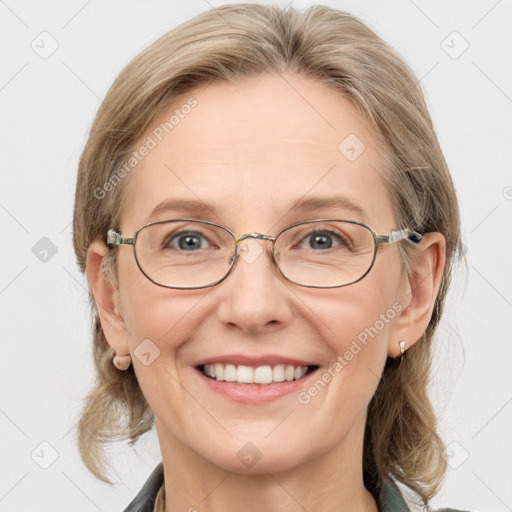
{"x": 336, "y": 48}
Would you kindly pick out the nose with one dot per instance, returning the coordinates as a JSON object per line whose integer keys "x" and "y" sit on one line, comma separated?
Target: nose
{"x": 254, "y": 297}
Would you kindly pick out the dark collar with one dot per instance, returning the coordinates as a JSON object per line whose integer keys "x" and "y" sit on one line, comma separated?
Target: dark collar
{"x": 145, "y": 500}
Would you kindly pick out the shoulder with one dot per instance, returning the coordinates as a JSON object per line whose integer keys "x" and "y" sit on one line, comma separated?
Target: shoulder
{"x": 145, "y": 500}
{"x": 451, "y": 510}
{"x": 391, "y": 500}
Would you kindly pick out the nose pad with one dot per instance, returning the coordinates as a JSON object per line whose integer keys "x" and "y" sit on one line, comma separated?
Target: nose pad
{"x": 250, "y": 250}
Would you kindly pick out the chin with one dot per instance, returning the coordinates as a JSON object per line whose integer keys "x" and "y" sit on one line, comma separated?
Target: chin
{"x": 255, "y": 454}
{"x": 250, "y": 460}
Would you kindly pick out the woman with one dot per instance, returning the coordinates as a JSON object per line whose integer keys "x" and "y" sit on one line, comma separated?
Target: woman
{"x": 293, "y": 226}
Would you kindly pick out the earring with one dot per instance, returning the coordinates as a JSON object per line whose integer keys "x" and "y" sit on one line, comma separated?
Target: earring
{"x": 122, "y": 362}
{"x": 402, "y": 351}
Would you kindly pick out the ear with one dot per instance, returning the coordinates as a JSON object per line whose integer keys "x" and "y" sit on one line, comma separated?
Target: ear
{"x": 107, "y": 299}
{"x": 418, "y": 292}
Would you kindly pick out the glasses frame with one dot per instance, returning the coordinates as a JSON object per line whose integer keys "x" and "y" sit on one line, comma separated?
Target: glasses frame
{"x": 114, "y": 238}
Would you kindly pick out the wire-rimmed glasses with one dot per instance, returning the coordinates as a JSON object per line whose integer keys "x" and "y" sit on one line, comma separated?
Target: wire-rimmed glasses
{"x": 321, "y": 253}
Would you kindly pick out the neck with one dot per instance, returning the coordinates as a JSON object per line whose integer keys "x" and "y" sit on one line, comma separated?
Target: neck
{"x": 332, "y": 482}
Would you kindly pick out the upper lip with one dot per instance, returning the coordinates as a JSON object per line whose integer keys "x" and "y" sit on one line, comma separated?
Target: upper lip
{"x": 255, "y": 361}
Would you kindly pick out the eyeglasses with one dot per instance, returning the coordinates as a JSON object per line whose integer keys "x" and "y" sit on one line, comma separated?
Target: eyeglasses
{"x": 322, "y": 253}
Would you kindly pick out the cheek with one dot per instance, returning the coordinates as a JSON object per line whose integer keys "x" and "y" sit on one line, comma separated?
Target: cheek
{"x": 358, "y": 336}
{"x": 164, "y": 316}
{"x": 364, "y": 311}
{"x": 161, "y": 322}
{"x": 356, "y": 323}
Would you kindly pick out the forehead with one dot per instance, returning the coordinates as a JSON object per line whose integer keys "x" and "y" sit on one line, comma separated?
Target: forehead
{"x": 248, "y": 151}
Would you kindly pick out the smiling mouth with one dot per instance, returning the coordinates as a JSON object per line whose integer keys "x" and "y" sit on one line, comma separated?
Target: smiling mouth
{"x": 242, "y": 374}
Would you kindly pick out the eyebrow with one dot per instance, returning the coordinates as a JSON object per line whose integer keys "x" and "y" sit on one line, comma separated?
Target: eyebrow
{"x": 188, "y": 205}
{"x": 330, "y": 202}
{"x": 198, "y": 207}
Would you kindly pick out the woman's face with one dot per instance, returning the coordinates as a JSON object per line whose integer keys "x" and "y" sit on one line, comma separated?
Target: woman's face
{"x": 242, "y": 157}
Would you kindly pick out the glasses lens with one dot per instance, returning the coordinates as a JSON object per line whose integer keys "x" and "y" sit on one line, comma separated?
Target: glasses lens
{"x": 325, "y": 253}
{"x": 184, "y": 253}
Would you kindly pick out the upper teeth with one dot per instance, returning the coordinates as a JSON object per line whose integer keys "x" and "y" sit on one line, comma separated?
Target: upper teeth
{"x": 248, "y": 375}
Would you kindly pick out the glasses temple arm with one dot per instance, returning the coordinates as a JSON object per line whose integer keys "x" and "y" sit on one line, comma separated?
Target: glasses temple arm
{"x": 401, "y": 234}
{"x": 114, "y": 238}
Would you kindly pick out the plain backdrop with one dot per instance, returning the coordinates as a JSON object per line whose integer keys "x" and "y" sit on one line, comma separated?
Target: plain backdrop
{"x": 59, "y": 59}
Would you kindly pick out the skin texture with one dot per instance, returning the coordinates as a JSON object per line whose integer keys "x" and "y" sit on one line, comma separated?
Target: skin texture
{"x": 250, "y": 150}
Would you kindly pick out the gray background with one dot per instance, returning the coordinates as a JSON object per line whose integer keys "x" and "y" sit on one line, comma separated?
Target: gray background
{"x": 47, "y": 104}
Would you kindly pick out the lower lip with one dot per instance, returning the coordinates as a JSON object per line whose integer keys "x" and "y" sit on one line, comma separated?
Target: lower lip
{"x": 255, "y": 393}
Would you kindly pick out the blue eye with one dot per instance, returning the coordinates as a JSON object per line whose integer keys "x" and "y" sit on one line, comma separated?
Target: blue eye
{"x": 187, "y": 241}
{"x": 321, "y": 240}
